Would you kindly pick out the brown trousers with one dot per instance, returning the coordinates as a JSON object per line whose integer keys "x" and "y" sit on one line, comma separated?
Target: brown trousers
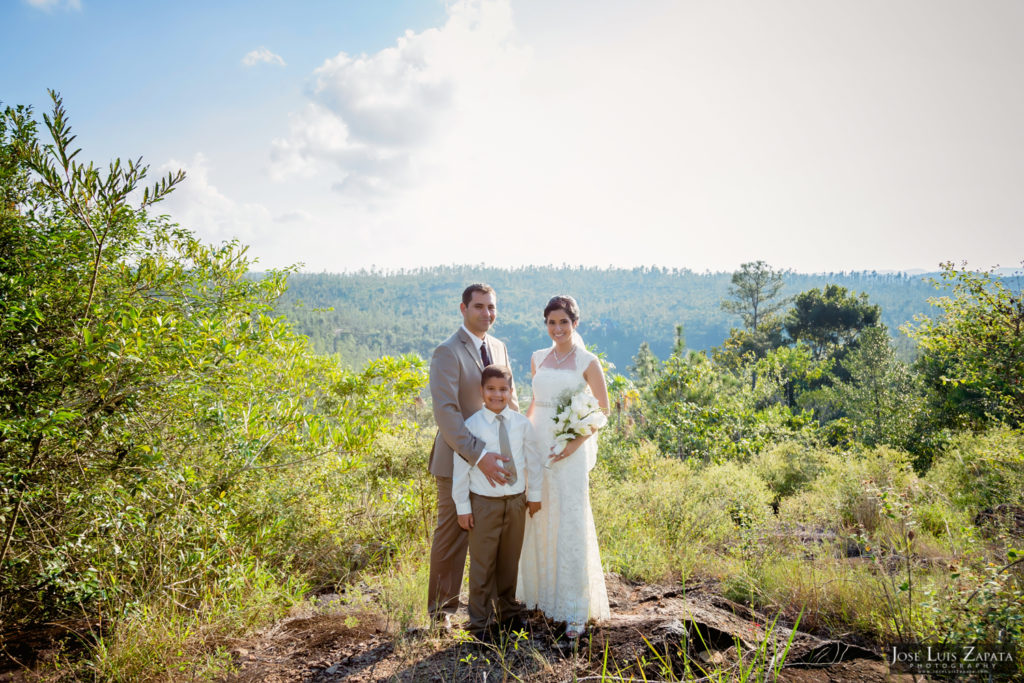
{"x": 447, "y": 554}
{"x": 495, "y": 543}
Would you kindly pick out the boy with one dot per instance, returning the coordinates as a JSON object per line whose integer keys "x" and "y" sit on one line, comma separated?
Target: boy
{"x": 495, "y": 516}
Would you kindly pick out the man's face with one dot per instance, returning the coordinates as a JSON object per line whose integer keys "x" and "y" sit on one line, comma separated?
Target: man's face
{"x": 480, "y": 313}
{"x": 496, "y": 393}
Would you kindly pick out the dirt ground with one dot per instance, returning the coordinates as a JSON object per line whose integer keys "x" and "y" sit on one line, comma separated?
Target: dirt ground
{"x": 655, "y": 633}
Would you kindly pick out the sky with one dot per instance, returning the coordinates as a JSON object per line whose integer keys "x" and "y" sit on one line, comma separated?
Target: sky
{"x": 702, "y": 134}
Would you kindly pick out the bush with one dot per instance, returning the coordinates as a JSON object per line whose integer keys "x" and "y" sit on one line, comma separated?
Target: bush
{"x": 789, "y": 466}
{"x": 979, "y": 472}
{"x": 731, "y": 493}
{"x": 840, "y": 497}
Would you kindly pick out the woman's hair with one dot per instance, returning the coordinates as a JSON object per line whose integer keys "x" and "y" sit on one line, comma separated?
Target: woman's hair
{"x": 565, "y": 303}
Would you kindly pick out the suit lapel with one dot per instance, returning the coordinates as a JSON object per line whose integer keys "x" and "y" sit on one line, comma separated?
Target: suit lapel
{"x": 472, "y": 348}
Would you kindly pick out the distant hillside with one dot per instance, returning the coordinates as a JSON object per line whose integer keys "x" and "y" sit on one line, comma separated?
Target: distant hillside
{"x": 378, "y": 313}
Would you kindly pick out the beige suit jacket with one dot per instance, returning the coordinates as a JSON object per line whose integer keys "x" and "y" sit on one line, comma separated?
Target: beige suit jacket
{"x": 455, "y": 371}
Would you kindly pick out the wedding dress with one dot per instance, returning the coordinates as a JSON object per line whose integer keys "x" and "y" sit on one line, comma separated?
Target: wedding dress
{"x": 560, "y": 567}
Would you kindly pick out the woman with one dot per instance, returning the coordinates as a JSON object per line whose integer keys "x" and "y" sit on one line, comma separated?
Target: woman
{"x": 560, "y": 567}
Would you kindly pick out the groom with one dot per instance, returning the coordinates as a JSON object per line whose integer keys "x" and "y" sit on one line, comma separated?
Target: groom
{"x": 455, "y": 370}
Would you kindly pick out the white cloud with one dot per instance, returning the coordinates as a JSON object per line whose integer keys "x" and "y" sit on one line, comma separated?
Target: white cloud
{"x": 373, "y": 116}
{"x": 262, "y": 56}
{"x": 296, "y": 216}
{"x": 200, "y": 206}
{"x": 50, "y": 5}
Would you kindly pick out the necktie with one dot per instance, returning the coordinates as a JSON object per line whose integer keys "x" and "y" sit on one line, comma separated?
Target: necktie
{"x": 506, "y": 450}
{"x": 484, "y": 356}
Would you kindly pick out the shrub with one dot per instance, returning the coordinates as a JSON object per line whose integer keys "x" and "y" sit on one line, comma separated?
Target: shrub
{"x": 981, "y": 471}
{"x": 839, "y": 496}
{"x": 729, "y": 491}
{"x": 789, "y": 466}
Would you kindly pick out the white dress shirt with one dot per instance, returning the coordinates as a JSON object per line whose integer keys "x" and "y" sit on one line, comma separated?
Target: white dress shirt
{"x": 525, "y": 454}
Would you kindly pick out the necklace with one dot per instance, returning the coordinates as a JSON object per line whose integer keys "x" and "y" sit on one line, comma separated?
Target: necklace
{"x": 559, "y": 360}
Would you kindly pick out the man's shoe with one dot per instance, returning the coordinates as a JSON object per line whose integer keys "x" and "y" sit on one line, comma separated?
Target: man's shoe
{"x": 514, "y": 624}
{"x": 486, "y": 636}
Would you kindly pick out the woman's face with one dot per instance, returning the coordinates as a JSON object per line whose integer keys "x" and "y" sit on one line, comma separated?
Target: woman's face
{"x": 560, "y": 326}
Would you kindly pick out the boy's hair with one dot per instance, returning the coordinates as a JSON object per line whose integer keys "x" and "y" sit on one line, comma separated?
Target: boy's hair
{"x": 495, "y": 370}
{"x": 467, "y": 293}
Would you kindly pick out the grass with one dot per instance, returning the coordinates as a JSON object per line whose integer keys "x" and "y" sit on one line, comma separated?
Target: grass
{"x": 169, "y": 641}
{"x": 659, "y": 520}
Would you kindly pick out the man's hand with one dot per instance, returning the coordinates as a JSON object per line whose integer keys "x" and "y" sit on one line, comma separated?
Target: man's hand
{"x": 466, "y": 521}
{"x": 490, "y": 465}
{"x": 533, "y": 507}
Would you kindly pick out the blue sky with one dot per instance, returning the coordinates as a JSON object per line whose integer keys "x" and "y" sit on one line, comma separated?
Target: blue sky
{"x": 848, "y": 135}
{"x": 141, "y": 77}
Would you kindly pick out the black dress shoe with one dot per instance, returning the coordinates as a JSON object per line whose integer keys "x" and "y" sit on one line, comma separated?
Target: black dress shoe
{"x": 487, "y": 636}
{"x": 515, "y": 623}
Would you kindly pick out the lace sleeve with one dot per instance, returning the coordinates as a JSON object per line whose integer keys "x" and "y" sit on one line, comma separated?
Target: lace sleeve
{"x": 538, "y": 357}
{"x": 583, "y": 359}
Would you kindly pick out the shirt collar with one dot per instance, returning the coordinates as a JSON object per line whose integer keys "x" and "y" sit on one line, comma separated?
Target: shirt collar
{"x": 490, "y": 414}
{"x": 473, "y": 338}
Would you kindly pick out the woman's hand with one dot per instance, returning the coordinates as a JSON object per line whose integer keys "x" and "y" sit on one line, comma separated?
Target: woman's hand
{"x": 569, "y": 449}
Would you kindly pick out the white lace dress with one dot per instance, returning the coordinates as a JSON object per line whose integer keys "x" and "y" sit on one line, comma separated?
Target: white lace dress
{"x": 560, "y": 567}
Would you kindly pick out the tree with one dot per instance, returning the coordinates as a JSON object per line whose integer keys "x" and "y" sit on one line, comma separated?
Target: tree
{"x": 788, "y": 371}
{"x": 830, "y": 320}
{"x": 880, "y": 397}
{"x": 161, "y": 435}
{"x": 754, "y": 289}
{"x": 973, "y": 355}
{"x": 646, "y": 366}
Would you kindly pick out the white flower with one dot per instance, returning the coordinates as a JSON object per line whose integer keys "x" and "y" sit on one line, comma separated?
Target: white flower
{"x": 576, "y": 414}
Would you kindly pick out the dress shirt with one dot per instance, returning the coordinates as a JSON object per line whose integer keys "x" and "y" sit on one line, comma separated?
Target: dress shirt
{"x": 525, "y": 454}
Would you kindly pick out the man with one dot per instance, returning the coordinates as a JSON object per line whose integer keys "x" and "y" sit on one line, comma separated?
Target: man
{"x": 455, "y": 371}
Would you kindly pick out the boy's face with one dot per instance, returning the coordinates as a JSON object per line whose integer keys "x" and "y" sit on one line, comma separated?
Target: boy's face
{"x": 496, "y": 393}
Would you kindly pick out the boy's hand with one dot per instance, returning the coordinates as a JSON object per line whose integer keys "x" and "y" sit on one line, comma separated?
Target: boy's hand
{"x": 466, "y": 521}
{"x": 533, "y": 506}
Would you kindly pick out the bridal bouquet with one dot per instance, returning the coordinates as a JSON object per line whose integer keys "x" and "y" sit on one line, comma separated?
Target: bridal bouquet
{"x": 577, "y": 413}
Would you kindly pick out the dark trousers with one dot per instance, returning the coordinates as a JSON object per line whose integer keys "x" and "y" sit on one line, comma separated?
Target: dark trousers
{"x": 447, "y": 553}
{"x": 495, "y": 543}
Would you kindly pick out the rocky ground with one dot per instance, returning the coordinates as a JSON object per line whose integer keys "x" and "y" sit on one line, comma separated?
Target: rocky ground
{"x": 655, "y": 633}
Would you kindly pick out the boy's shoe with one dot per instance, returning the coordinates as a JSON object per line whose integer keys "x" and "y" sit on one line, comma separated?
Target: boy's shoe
{"x": 443, "y": 620}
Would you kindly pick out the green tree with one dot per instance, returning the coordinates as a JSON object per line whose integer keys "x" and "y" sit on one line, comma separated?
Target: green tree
{"x": 829, "y": 320}
{"x": 646, "y": 366}
{"x": 754, "y": 297}
{"x": 754, "y": 293}
{"x": 788, "y": 371}
{"x": 161, "y": 434}
{"x": 973, "y": 355}
{"x": 881, "y": 396}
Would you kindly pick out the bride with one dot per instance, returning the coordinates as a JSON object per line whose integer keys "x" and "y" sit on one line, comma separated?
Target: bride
{"x": 560, "y": 567}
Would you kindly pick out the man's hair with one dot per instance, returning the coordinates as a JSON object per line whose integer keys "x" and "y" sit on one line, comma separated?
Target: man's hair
{"x": 493, "y": 371}
{"x": 467, "y": 293}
